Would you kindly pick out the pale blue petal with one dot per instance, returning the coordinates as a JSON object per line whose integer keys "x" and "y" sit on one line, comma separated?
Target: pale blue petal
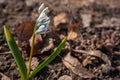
{"x": 45, "y": 10}
{"x": 44, "y": 21}
{"x": 42, "y": 29}
{"x": 42, "y": 17}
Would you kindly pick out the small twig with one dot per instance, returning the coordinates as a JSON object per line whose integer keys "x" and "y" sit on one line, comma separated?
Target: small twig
{"x": 2, "y": 53}
{"x": 4, "y": 77}
{"x": 81, "y": 51}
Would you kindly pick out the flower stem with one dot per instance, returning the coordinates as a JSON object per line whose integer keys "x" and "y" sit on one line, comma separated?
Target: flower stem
{"x": 31, "y": 53}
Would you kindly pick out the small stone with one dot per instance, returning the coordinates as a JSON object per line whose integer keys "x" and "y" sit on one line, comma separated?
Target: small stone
{"x": 86, "y": 19}
{"x": 31, "y": 2}
{"x": 65, "y": 77}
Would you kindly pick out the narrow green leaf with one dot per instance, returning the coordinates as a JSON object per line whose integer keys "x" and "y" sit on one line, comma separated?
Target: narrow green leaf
{"x": 49, "y": 59}
{"x": 16, "y": 53}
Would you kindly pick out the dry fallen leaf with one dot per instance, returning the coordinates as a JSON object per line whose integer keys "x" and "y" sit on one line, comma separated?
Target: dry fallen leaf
{"x": 37, "y": 44}
{"x": 73, "y": 31}
{"x": 88, "y": 60}
{"x": 96, "y": 53}
{"x": 25, "y": 30}
{"x": 38, "y": 41}
{"x": 48, "y": 45}
{"x": 62, "y": 20}
{"x": 76, "y": 67}
{"x": 24, "y": 33}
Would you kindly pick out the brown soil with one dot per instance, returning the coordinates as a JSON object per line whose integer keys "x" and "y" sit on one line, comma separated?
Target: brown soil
{"x": 103, "y": 34}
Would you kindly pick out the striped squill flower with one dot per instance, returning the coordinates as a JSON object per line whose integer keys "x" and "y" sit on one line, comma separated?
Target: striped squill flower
{"x": 43, "y": 20}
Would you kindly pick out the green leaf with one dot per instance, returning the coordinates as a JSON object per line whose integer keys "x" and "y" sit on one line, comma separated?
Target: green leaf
{"x": 16, "y": 53}
{"x": 49, "y": 59}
